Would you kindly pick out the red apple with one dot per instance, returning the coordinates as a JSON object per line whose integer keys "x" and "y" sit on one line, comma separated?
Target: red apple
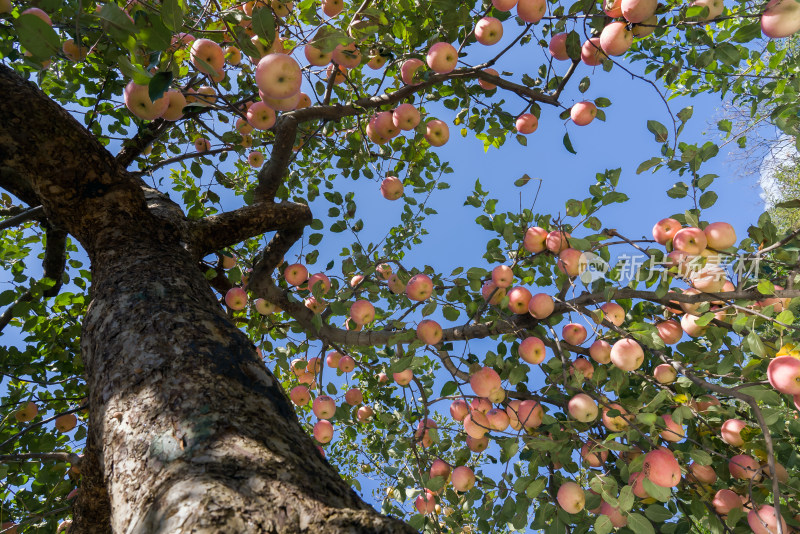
{"x": 27, "y": 412}
{"x": 704, "y": 474}
{"x": 137, "y": 100}
{"x": 300, "y": 395}
{"x": 429, "y": 332}
{"x": 531, "y": 11}
{"x": 207, "y": 57}
{"x": 236, "y": 298}
{"x": 278, "y": 76}
{"x": 66, "y": 422}
{"x": 726, "y": 500}
{"x": 781, "y": 18}
{"x": 535, "y": 239}
{"x": 332, "y": 359}
{"x": 571, "y": 262}
{"x": 591, "y": 52}
{"x": 764, "y": 520}
{"x": 295, "y": 274}
{"x": 665, "y": 229}
{"x": 638, "y": 10}
{"x": 673, "y": 432}
{"x": 527, "y": 123}
{"x": 784, "y": 374}
{"x": 324, "y": 407}
{"x": 364, "y": 413}
{"x": 504, "y": 5}
{"x": 582, "y": 408}
{"x": 744, "y": 467}
{"x": 502, "y": 276}
{"x": 661, "y": 468}
{"x": 436, "y": 132}
{"x": 614, "y": 313}
{"x": 600, "y": 351}
{"x": 614, "y": 515}
{"x": 670, "y": 332}
{"x": 442, "y": 58}
{"x": 573, "y": 333}
{"x": 593, "y": 455}
{"x": 323, "y": 431}
{"x": 715, "y": 8}
{"x": 518, "y": 300}
{"x": 532, "y": 350}
{"x": 583, "y": 113}
{"x": 419, "y": 288}
{"x": 463, "y": 478}
{"x": 618, "y": 423}
{"x": 406, "y": 117}
{"x": 498, "y": 419}
{"x": 459, "y": 409}
{"x": 690, "y": 240}
{"x": 665, "y": 374}
{"x": 403, "y": 378}
{"x": 583, "y": 366}
{"x": 541, "y": 306}
{"x": 353, "y": 397}
{"x": 731, "y": 432}
{"x": 348, "y": 56}
{"x": 488, "y": 86}
{"x": 627, "y": 354}
{"x": 316, "y": 57}
{"x": 408, "y": 69}
{"x": 558, "y": 47}
{"x": 616, "y": 38}
{"x": 346, "y": 364}
{"x": 488, "y": 31}
{"x": 571, "y": 497}
{"x": 486, "y": 383}
{"x": 490, "y": 290}
{"x": 529, "y": 413}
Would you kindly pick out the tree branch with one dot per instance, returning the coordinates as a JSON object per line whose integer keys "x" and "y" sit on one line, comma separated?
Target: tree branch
{"x": 272, "y": 174}
{"x": 25, "y": 216}
{"x": 55, "y": 259}
{"x": 219, "y": 231}
{"x": 70, "y": 457}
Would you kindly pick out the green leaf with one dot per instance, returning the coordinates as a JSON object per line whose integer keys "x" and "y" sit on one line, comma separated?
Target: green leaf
{"x": 264, "y": 24}
{"x": 326, "y": 39}
{"x": 172, "y": 14}
{"x": 658, "y": 130}
{"x": 640, "y": 524}
{"x": 159, "y": 84}
{"x": 708, "y": 199}
{"x": 765, "y": 287}
{"x": 728, "y": 53}
{"x": 655, "y": 491}
{"x": 519, "y": 182}
{"x": 568, "y": 144}
{"x": 113, "y": 15}
{"x": 37, "y": 36}
{"x": 645, "y": 165}
{"x": 134, "y": 72}
{"x": 574, "y": 45}
{"x": 657, "y": 513}
{"x": 602, "y": 525}
{"x": 602, "y": 102}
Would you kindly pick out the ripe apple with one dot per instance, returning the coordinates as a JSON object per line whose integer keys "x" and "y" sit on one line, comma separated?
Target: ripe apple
{"x": 690, "y": 326}
{"x": 502, "y": 276}
{"x": 690, "y": 240}
{"x": 673, "y": 432}
{"x": 488, "y": 31}
{"x": 323, "y": 431}
{"x": 490, "y": 290}
{"x": 715, "y": 8}
{"x": 281, "y": 8}
{"x": 498, "y": 419}
{"x": 300, "y": 395}
{"x": 518, "y": 300}
{"x": 480, "y": 404}
{"x": 661, "y": 468}
{"x": 614, "y": 515}
{"x": 383, "y": 125}
{"x": 593, "y": 455}
{"x": 532, "y": 350}
{"x": 583, "y": 366}
{"x": 618, "y": 423}
{"x": 627, "y": 354}
{"x": 403, "y": 378}
{"x": 320, "y": 281}
{"x": 278, "y": 76}
{"x": 486, "y": 383}
{"x": 613, "y": 313}
{"x": 571, "y": 497}
{"x": 265, "y": 308}
{"x": 440, "y": 468}
{"x": 353, "y": 397}
{"x": 731, "y": 432}
{"x": 348, "y": 56}
{"x": 459, "y": 409}
{"x": 27, "y": 412}
{"x": 429, "y": 332}
{"x": 781, "y": 18}
{"x": 346, "y": 364}
{"x": 409, "y": 69}
{"x": 295, "y": 274}
{"x": 636, "y": 482}
{"x": 364, "y": 414}
{"x": 137, "y": 100}
{"x": 529, "y": 413}
{"x": 591, "y": 52}
{"x": 704, "y": 474}
{"x": 670, "y": 331}
{"x": 362, "y": 312}
{"x": 207, "y": 57}
{"x": 531, "y": 11}
{"x": 665, "y": 229}
{"x": 233, "y": 55}
{"x": 175, "y": 104}
{"x": 377, "y": 61}
{"x": 558, "y": 47}
{"x": 324, "y": 407}
{"x": 573, "y": 333}
{"x": 527, "y": 123}
{"x": 541, "y": 306}
{"x": 463, "y": 478}
{"x": 396, "y": 285}
{"x": 331, "y": 8}
{"x": 316, "y": 57}
{"x": 419, "y": 288}
{"x": 476, "y": 424}
{"x": 784, "y": 374}
{"x": 436, "y": 132}
{"x": 665, "y": 374}
{"x": 406, "y": 116}
{"x": 488, "y": 86}
{"x": 73, "y": 51}
{"x": 236, "y": 298}
{"x": 726, "y": 500}
{"x": 744, "y": 467}
{"x": 535, "y": 239}
{"x": 66, "y": 422}
{"x": 582, "y": 408}
{"x": 255, "y": 159}
{"x": 442, "y": 58}
{"x": 720, "y": 235}
{"x": 600, "y": 351}
{"x": 613, "y": 8}
{"x": 260, "y": 116}
{"x": 764, "y": 520}
{"x": 638, "y": 10}
{"x": 332, "y": 359}
{"x": 281, "y": 104}
{"x": 709, "y": 279}
{"x": 582, "y": 113}
{"x": 646, "y": 27}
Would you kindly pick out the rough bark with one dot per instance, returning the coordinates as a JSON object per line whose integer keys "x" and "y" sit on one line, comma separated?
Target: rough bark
{"x": 188, "y": 429}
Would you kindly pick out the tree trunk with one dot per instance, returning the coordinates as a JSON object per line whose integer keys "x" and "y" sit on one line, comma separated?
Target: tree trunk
{"x": 188, "y": 430}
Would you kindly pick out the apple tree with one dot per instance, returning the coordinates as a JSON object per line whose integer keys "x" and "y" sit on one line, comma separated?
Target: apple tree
{"x": 198, "y": 339}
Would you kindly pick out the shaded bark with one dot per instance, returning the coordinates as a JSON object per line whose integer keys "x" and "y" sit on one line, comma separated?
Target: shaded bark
{"x": 188, "y": 429}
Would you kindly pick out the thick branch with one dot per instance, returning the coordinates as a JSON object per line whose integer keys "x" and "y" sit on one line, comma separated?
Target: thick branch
{"x": 219, "y": 231}
{"x": 272, "y": 174}
{"x": 55, "y": 259}
{"x": 23, "y": 217}
{"x": 46, "y": 456}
